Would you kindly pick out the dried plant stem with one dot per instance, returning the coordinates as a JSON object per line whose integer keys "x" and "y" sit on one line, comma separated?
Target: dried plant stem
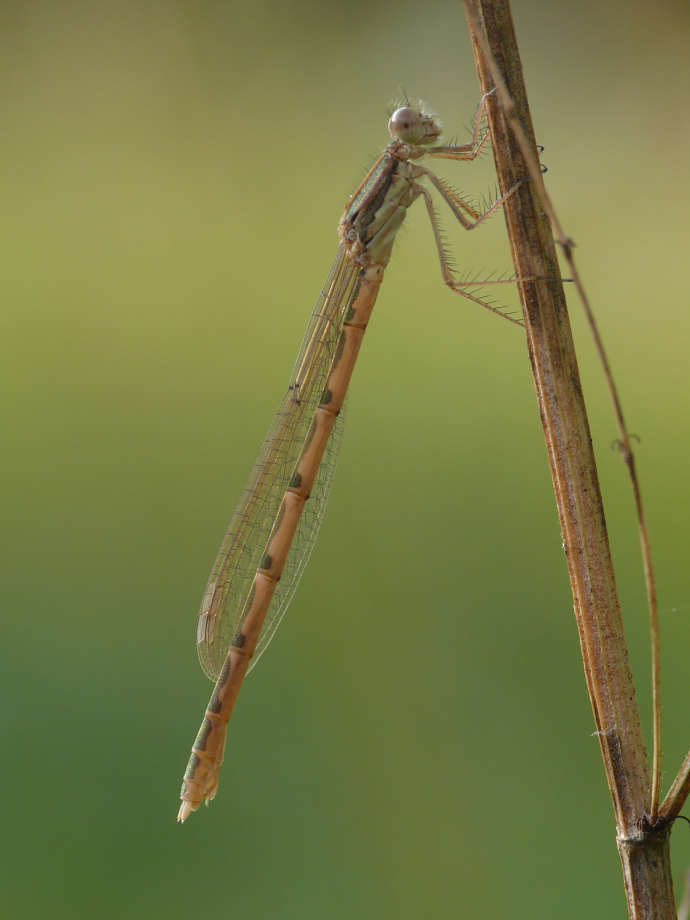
{"x": 643, "y": 848}
{"x": 624, "y": 442}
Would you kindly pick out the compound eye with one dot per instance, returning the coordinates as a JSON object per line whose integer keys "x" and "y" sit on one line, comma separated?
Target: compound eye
{"x": 407, "y": 125}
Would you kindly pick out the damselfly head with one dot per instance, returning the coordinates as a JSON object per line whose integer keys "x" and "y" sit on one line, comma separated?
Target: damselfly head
{"x": 414, "y": 127}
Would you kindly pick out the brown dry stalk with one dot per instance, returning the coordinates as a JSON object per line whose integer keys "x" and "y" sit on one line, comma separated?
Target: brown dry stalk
{"x": 643, "y": 844}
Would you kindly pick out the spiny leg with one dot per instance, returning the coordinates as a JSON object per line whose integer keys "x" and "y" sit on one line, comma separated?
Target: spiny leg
{"x": 456, "y": 204}
{"x": 470, "y": 150}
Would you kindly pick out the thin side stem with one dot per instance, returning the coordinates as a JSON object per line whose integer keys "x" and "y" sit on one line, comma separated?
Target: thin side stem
{"x": 678, "y": 793}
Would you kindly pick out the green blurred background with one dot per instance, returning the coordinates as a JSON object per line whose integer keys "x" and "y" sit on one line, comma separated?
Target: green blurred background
{"x": 417, "y": 740}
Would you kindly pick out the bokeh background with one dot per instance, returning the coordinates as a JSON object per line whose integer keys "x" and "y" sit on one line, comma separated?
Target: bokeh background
{"x": 417, "y": 742}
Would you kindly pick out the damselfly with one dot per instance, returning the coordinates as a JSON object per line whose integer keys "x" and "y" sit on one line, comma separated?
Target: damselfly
{"x": 274, "y": 528}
